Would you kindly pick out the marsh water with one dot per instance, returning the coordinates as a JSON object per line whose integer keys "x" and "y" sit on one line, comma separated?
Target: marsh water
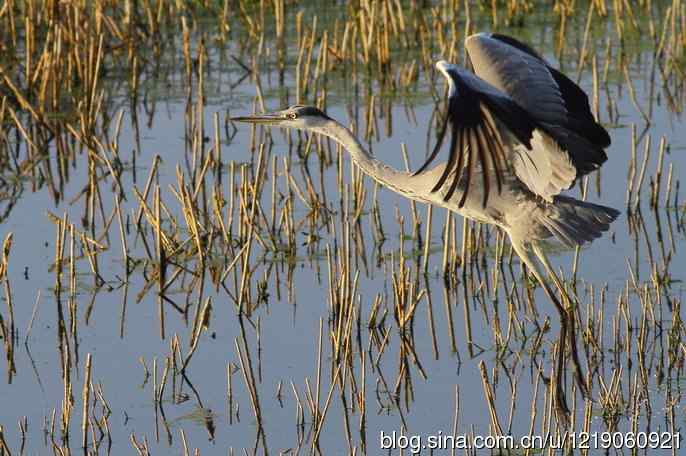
{"x": 343, "y": 334}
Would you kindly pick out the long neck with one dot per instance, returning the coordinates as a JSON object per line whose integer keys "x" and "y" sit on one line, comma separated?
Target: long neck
{"x": 396, "y": 180}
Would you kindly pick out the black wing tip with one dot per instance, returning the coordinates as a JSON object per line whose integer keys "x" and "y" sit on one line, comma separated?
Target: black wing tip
{"x": 576, "y": 102}
{"x": 587, "y": 166}
{"x": 612, "y": 213}
{"x": 600, "y": 136}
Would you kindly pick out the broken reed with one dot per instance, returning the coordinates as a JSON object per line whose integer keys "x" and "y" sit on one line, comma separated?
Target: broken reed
{"x": 8, "y": 330}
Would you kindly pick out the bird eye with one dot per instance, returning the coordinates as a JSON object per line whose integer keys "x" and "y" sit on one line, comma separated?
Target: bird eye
{"x": 292, "y": 115}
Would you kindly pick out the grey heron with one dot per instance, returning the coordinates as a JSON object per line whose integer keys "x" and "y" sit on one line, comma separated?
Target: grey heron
{"x": 521, "y": 133}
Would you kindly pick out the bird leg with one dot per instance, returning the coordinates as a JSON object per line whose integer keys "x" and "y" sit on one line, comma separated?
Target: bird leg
{"x": 561, "y": 345}
{"x": 569, "y": 311}
{"x": 561, "y": 402}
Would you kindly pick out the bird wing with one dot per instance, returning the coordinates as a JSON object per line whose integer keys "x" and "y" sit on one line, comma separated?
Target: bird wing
{"x": 477, "y": 114}
{"x": 570, "y": 142}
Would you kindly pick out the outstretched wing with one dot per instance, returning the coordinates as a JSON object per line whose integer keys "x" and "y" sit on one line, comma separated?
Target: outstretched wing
{"x": 571, "y": 142}
{"x": 476, "y": 114}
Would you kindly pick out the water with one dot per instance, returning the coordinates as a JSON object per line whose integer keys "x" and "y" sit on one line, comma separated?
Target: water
{"x": 291, "y": 311}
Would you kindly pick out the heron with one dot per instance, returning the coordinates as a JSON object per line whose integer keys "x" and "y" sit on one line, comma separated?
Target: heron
{"x": 521, "y": 133}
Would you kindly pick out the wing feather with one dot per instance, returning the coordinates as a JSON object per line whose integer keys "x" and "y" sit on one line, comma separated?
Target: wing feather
{"x": 485, "y": 155}
{"x": 494, "y": 143}
{"x": 455, "y": 142}
{"x": 558, "y": 105}
{"x": 439, "y": 142}
{"x": 473, "y": 106}
{"x": 460, "y": 152}
{"x": 470, "y": 171}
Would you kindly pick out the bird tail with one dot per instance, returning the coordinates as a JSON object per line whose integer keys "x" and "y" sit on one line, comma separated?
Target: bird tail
{"x": 574, "y": 222}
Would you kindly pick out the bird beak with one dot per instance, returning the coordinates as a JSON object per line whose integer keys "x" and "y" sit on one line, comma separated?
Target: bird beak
{"x": 270, "y": 118}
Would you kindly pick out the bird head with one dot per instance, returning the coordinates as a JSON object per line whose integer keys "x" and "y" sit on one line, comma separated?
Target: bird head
{"x": 297, "y": 116}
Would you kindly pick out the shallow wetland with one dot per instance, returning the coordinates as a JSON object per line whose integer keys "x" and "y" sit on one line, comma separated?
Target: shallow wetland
{"x": 175, "y": 283}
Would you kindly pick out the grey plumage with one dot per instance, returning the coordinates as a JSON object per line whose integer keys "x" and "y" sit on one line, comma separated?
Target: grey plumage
{"x": 575, "y": 222}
